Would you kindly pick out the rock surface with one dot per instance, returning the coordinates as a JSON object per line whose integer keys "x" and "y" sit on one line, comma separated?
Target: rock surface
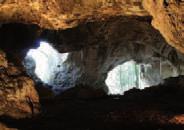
{"x": 118, "y": 44}
{"x": 4, "y": 127}
{"x": 62, "y": 14}
{"x": 98, "y": 47}
{"x": 55, "y": 14}
{"x": 18, "y": 97}
{"x": 3, "y": 62}
{"x": 168, "y": 18}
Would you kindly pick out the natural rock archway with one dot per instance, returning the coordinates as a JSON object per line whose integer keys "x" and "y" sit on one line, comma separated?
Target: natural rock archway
{"x": 105, "y": 45}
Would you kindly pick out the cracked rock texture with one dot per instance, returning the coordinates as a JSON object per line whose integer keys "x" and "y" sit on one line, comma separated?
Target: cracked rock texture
{"x": 18, "y": 97}
{"x": 168, "y": 18}
{"x": 4, "y": 127}
{"x": 62, "y": 14}
{"x": 55, "y": 14}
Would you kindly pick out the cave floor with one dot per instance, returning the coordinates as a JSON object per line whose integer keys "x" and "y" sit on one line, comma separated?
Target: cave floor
{"x": 156, "y": 108}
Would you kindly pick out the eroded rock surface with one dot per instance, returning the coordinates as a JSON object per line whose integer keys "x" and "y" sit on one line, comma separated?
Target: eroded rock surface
{"x": 104, "y": 45}
{"x": 55, "y": 14}
{"x": 4, "y": 127}
{"x": 3, "y": 62}
{"x": 18, "y": 97}
{"x": 168, "y": 18}
{"x": 62, "y": 14}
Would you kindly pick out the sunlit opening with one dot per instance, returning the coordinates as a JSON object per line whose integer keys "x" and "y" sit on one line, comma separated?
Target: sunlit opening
{"x": 133, "y": 75}
{"x": 47, "y": 62}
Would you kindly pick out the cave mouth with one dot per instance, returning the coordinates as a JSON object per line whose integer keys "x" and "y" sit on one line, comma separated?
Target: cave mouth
{"x": 131, "y": 74}
{"x": 44, "y": 63}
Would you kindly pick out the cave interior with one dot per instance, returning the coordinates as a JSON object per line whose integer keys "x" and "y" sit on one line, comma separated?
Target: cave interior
{"x": 117, "y": 73}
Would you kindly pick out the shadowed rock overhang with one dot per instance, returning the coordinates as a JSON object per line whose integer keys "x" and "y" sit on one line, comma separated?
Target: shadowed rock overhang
{"x": 62, "y": 14}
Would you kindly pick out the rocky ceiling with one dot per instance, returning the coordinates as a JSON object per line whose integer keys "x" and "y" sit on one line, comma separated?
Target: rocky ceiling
{"x": 167, "y": 15}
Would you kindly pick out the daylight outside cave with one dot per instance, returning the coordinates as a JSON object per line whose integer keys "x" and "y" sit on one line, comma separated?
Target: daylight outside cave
{"x": 45, "y": 62}
{"x": 131, "y": 75}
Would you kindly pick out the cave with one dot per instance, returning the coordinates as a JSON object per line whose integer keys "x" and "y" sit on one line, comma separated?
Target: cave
{"x": 46, "y": 65}
{"x": 91, "y": 64}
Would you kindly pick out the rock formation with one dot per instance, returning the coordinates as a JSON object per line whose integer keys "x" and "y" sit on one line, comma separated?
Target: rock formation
{"x": 55, "y": 14}
{"x": 19, "y": 98}
{"x": 63, "y": 14}
{"x": 98, "y": 35}
{"x": 4, "y": 127}
{"x": 168, "y": 18}
{"x": 96, "y": 48}
{"x": 119, "y": 44}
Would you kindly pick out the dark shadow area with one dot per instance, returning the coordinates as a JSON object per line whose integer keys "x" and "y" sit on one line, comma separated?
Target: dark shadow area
{"x": 16, "y": 36}
{"x": 155, "y": 108}
{"x": 16, "y": 39}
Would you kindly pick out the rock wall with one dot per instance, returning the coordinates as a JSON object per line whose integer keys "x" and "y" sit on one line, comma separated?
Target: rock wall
{"x": 109, "y": 44}
{"x": 118, "y": 44}
{"x": 55, "y": 14}
{"x": 18, "y": 97}
{"x": 168, "y": 18}
{"x": 62, "y": 14}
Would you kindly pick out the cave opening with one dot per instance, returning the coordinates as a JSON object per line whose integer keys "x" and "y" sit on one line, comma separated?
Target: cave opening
{"x": 132, "y": 74}
{"x": 72, "y": 60}
{"x": 44, "y": 63}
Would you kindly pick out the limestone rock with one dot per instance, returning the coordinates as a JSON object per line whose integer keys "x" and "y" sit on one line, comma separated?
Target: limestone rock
{"x": 168, "y": 18}
{"x": 62, "y": 14}
{"x": 3, "y": 62}
{"x": 55, "y": 14}
{"x": 18, "y": 97}
{"x": 111, "y": 43}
